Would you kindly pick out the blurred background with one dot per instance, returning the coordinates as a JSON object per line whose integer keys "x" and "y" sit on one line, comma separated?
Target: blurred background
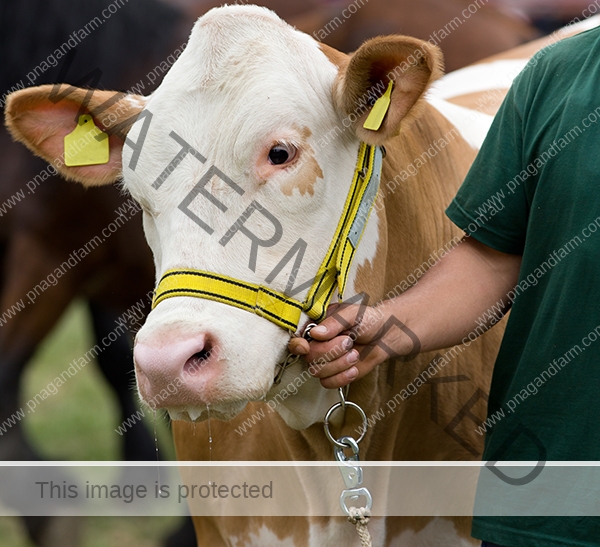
{"x": 79, "y": 424}
{"x": 90, "y": 313}
{"x": 548, "y": 15}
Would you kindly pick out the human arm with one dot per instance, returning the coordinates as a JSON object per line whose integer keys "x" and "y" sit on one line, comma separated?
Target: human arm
{"x": 439, "y": 311}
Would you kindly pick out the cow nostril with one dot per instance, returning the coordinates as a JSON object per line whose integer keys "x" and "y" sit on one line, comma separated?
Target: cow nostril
{"x": 195, "y": 363}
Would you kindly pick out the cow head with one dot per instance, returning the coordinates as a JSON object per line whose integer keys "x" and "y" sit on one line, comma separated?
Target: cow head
{"x": 244, "y": 153}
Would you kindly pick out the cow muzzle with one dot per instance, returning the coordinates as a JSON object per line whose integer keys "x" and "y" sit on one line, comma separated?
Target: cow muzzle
{"x": 168, "y": 372}
{"x": 191, "y": 354}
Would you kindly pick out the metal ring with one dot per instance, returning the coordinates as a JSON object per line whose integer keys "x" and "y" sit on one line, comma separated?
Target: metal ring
{"x": 353, "y": 494}
{"x": 306, "y": 333}
{"x": 350, "y": 443}
{"x": 328, "y": 416}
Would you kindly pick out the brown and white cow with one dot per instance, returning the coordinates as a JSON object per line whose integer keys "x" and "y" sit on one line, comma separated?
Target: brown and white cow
{"x": 280, "y": 116}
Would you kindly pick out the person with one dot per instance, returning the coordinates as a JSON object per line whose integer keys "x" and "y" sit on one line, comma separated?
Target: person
{"x": 538, "y": 254}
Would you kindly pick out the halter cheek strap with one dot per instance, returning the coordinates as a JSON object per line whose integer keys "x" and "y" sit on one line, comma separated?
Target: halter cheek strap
{"x": 278, "y": 308}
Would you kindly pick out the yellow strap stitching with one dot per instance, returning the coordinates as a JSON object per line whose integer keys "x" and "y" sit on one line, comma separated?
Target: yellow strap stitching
{"x": 261, "y": 300}
{"x": 277, "y": 307}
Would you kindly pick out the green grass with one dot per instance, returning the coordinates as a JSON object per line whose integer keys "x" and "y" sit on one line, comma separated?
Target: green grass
{"x": 100, "y": 532}
{"x": 78, "y": 423}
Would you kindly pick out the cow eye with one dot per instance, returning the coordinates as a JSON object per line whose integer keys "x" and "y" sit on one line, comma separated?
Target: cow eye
{"x": 282, "y": 153}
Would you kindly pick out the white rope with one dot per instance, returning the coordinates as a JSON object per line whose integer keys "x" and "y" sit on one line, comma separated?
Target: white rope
{"x": 360, "y": 516}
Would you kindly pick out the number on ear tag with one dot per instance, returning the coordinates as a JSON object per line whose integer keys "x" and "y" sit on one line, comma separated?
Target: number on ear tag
{"x": 83, "y": 146}
{"x": 379, "y": 110}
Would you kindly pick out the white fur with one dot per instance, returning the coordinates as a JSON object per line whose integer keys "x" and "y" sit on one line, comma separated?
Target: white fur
{"x": 481, "y": 77}
{"x": 586, "y": 24}
{"x": 265, "y": 538}
{"x": 308, "y": 402}
{"x": 335, "y": 533}
{"x": 472, "y": 125}
{"x": 240, "y": 84}
{"x": 341, "y": 532}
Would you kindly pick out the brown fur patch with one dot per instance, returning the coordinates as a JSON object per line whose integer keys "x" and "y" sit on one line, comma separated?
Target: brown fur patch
{"x": 338, "y": 58}
{"x": 307, "y": 172}
{"x": 486, "y": 102}
{"x": 369, "y": 275}
{"x": 418, "y": 230}
{"x": 41, "y": 124}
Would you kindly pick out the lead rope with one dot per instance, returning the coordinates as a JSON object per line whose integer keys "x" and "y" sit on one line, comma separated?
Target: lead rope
{"x": 360, "y": 518}
{"x": 351, "y": 472}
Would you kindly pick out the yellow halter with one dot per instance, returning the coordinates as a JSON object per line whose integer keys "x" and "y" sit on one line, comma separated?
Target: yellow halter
{"x": 333, "y": 272}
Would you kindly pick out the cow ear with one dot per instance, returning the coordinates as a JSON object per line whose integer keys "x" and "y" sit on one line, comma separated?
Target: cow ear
{"x": 412, "y": 65}
{"x": 40, "y": 117}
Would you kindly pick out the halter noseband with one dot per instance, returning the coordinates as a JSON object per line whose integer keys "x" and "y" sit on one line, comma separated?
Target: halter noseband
{"x": 278, "y": 308}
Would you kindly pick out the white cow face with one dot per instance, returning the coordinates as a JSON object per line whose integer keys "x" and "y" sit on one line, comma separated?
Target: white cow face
{"x": 239, "y": 96}
{"x": 245, "y": 151}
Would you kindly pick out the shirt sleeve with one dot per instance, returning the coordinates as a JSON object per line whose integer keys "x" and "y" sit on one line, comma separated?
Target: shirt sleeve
{"x": 492, "y": 204}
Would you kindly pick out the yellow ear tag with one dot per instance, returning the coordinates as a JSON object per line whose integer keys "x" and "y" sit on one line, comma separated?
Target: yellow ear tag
{"x": 82, "y": 147}
{"x": 379, "y": 110}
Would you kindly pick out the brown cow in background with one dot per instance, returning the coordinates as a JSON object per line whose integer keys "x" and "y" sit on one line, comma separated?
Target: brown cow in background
{"x": 43, "y": 219}
{"x": 466, "y": 31}
{"x": 464, "y": 36}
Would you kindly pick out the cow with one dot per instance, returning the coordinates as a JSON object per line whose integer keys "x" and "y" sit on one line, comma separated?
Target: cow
{"x": 466, "y": 31}
{"x": 242, "y": 161}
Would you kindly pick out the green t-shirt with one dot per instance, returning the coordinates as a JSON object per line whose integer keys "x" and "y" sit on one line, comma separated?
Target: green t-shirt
{"x": 534, "y": 189}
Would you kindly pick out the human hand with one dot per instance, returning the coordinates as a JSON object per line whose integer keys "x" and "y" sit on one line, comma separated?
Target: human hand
{"x": 350, "y": 342}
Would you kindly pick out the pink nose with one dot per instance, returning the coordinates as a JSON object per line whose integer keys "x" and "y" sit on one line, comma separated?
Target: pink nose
{"x": 177, "y": 367}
